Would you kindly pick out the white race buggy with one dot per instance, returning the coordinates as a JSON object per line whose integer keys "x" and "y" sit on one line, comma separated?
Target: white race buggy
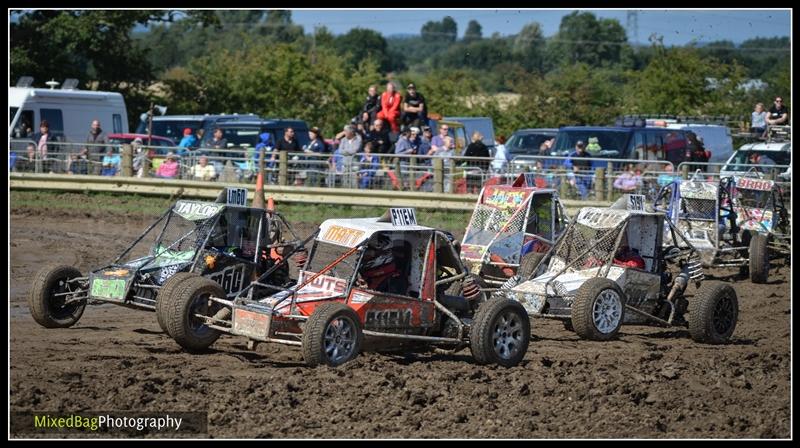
{"x": 610, "y": 268}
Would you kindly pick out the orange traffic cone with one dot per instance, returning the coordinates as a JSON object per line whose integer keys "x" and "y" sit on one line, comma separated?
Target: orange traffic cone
{"x": 258, "y": 196}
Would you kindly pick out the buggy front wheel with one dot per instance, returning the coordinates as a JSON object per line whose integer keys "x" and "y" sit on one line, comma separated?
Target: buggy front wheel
{"x": 332, "y": 335}
{"x": 598, "y": 309}
{"x": 50, "y": 301}
{"x": 500, "y": 333}
{"x": 182, "y": 306}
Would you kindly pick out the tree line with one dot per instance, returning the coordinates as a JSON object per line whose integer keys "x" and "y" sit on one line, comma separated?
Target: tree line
{"x": 264, "y": 63}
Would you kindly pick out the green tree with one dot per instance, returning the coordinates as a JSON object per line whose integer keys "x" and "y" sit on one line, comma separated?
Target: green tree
{"x": 529, "y": 45}
{"x": 583, "y": 38}
{"x": 681, "y": 81}
{"x": 94, "y": 46}
{"x": 360, "y": 44}
{"x": 444, "y": 31}
{"x": 326, "y": 94}
{"x": 474, "y": 32}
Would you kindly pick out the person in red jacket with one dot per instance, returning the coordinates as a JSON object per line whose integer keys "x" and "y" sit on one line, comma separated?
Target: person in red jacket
{"x": 390, "y": 107}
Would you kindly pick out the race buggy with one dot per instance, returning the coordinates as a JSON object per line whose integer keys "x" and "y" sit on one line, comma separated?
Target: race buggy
{"x": 223, "y": 243}
{"x": 728, "y": 222}
{"x": 511, "y": 229}
{"x": 610, "y": 268}
{"x": 758, "y": 206}
{"x": 378, "y": 278}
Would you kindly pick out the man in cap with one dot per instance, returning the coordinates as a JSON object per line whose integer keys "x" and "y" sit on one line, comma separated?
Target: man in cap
{"x": 414, "y": 112}
{"x": 580, "y": 170}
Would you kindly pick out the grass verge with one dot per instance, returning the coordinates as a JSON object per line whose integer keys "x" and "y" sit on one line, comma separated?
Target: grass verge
{"x": 148, "y": 206}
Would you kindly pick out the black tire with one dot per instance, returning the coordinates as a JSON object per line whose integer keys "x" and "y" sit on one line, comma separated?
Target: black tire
{"x": 568, "y": 325}
{"x": 598, "y": 321}
{"x": 49, "y": 311}
{"x": 715, "y": 310}
{"x": 166, "y": 290}
{"x": 500, "y": 333}
{"x": 528, "y": 265}
{"x": 182, "y": 304}
{"x": 759, "y": 258}
{"x": 330, "y": 328}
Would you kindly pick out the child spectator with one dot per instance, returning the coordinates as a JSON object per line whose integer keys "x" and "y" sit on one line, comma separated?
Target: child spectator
{"x": 110, "y": 164}
{"x": 368, "y": 167}
{"x": 758, "y": 122}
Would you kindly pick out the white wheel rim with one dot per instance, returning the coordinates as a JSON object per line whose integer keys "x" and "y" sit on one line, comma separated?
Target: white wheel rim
{"x": 607, "y": 311}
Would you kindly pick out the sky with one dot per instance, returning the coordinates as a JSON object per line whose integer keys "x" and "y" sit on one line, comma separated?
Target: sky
{"x": 677, "y": 27}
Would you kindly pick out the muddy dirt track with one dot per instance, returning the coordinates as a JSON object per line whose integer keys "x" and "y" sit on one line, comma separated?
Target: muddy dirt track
{"x": 651, "y": 382}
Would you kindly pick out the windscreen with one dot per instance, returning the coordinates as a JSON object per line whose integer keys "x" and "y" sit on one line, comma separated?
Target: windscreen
{"x": 741, "y": 161}
{"x": 526, "y": 143}
{"x": 170, "y": 128}
{"x": 323, "y": 254}
{"x": 607, "y": 139}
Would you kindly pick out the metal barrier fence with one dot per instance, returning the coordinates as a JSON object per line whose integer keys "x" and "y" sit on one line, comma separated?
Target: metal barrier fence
{"x": 603, "y": 180}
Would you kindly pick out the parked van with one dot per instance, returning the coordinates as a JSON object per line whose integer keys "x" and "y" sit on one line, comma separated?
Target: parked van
{"x": 716, "y": 138}
{"x": 68, "y": 111}
{"x": 172, "y": 126}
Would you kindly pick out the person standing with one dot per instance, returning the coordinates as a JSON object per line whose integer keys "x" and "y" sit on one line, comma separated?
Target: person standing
{"x": 372, "y": 105}
{"x": 390, "y": 107}
{"x": 414, "y": 110}
{"x": 96, "y": 137}
{"x": 580, "y": 175}
{"x": 42, "y": 138}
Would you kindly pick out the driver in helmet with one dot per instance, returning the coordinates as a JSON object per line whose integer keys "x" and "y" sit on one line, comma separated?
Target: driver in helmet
{"x": 379, "y": 268}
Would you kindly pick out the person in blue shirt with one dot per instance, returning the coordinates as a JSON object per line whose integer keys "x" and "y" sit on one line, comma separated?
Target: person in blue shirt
{"x": 368, "y": 166}
{"x": 110, "y": 163}
{"x": 188, "y": 141}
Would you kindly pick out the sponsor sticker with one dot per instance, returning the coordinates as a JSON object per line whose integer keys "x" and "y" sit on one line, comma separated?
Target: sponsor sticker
{"x": 342, "y": 236}
{"x": 195, "y": 211}
{"x": 108, "y": 288}
{"x": 251, "y": 324}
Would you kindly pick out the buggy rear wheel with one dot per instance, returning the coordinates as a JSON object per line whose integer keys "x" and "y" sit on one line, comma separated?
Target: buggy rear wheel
{"x": 715, "y": 310}
{"x": 48, "y": 306}
{"x": 759, "y": 258}
{"x": 332, "y": 335}
{"x": 187, "y": 300}
{"x": 500, "y": 333}
{"x": 529, "y": 263}
{"x": 167, "y": 290}
{"x": 598, "y": 309}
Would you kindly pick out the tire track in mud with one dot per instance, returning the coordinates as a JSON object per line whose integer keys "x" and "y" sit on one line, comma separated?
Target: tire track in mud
{"x": 651, "y": 382}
